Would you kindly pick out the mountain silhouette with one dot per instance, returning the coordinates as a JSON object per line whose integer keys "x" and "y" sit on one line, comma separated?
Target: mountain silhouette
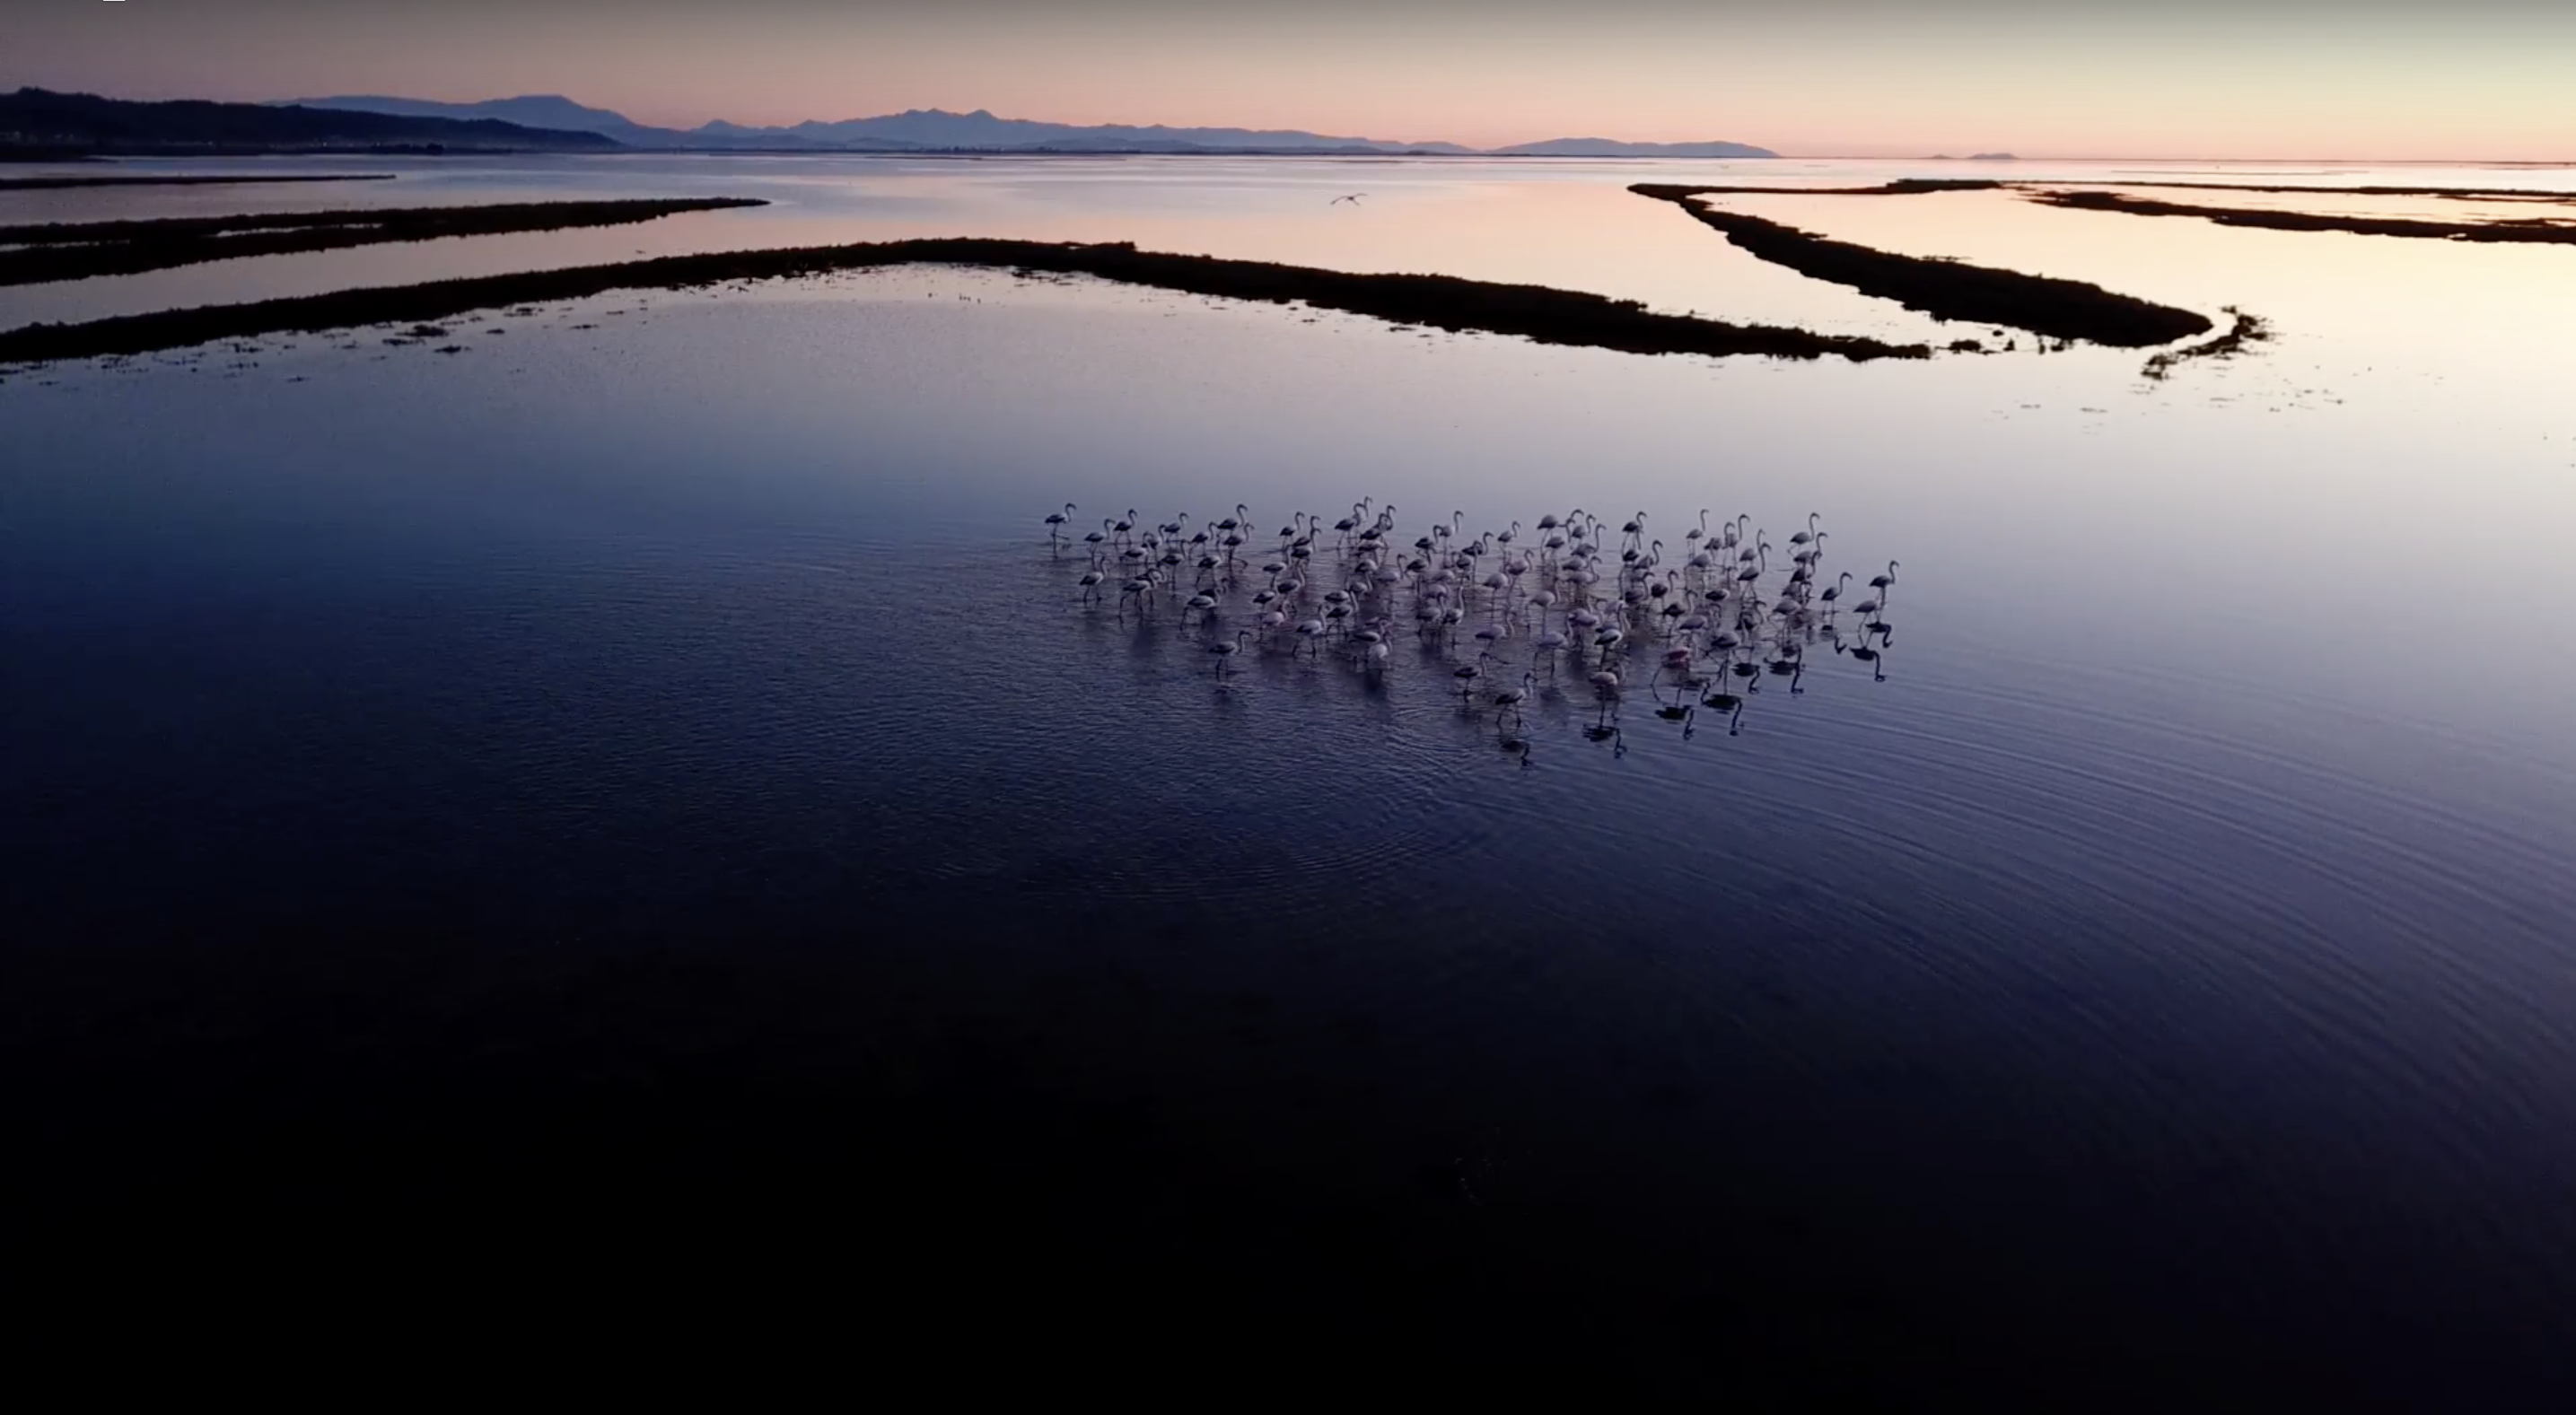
{"x": 537, "y": 110}
{"x": 35, "y": 118}
{"x": 939, "y": 130}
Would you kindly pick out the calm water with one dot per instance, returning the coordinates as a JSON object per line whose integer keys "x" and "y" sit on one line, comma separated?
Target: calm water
{"x": 2171, "y": 959}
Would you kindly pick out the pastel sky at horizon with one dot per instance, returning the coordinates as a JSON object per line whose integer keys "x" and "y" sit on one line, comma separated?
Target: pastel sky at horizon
{"x": 2472, "y": 80}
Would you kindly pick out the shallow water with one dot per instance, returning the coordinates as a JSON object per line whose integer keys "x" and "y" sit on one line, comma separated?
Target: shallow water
{"x": 1566, "y": 223}
{"x": 2180, "y": 932}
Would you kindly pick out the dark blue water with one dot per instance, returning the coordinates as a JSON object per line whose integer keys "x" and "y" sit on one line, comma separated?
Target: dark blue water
{"x": 657, "y": 782}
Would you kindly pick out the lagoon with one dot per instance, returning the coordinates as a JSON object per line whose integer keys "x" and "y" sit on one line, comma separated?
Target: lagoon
{"x": 2171, "y": 957}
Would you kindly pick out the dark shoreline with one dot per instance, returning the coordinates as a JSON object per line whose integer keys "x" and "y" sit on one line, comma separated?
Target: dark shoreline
{"x": 2529, "y": 232}
{"x": 1949, "y": 290}
{"x": 41, "y": 184}
{"x": 2248, "y": 329}
{"x": 1925, "y": 186}
{"x": 2534, "y": 230}
{"x": 1901, "y": 187}
{"x": 80, "y": 250}
{"x": 1534, "y": 312}
{"x": 2459, "y": 193}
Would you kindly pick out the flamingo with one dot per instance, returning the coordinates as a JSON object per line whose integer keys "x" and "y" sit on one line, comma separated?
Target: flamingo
{"x": 1548, "y": 642}
{"x": 1605, "y": 686}
{"x": 1467, "y": 674}
{"x": 1561, "y": 582}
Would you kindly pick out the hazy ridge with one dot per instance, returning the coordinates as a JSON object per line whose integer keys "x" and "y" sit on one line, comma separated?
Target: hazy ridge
{"x": 938, "y": 130}
{"x": 36, "y": 120}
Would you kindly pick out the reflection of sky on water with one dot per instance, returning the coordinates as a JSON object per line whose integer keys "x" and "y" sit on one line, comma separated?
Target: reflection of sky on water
{"x": 1560, "y": 223}
{"x": 2403, "y": 417}
{"x": 2214, "y": 819}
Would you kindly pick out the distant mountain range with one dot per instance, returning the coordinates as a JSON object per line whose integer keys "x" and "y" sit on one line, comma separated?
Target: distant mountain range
{"x": 937, "y": 130}
{"x": 547, "y": 112}
{"x": 72, "y": 124}
{"x": 36, "y": 122}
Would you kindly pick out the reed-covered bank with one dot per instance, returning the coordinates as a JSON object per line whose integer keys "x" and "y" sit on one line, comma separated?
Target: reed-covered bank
{"x": 2535, "y": 231}
{"x": 1535, "y": 312}
{"x": 80, "y": 250}
{"x": 1948, "y": 289}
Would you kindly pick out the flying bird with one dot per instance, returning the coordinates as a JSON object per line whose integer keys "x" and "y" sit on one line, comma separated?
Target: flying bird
{"x": 1353, "y": 198}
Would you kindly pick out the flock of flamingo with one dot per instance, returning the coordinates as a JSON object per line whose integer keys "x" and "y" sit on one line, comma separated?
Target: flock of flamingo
{"x": 1574, "y": 594}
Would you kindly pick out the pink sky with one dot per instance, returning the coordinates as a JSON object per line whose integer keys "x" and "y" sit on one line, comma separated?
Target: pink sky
{"x": 2469, "y": 80}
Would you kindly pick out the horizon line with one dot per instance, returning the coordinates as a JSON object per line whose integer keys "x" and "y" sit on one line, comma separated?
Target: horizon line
{"x": 1496, "y": 149}
{"x": 1780, "y": 154}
